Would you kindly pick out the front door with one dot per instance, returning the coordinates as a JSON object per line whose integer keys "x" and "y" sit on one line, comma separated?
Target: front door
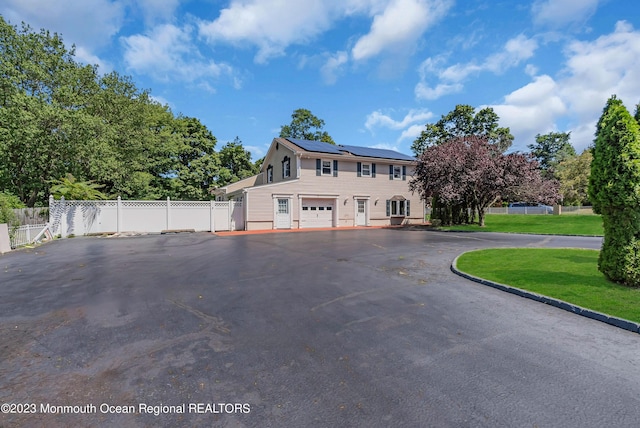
{"x": 283, "y": 214}
{"x": 361, "y": 212}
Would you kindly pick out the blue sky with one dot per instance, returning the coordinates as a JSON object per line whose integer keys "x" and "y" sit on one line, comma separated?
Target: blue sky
{"x": 376, "y": 71}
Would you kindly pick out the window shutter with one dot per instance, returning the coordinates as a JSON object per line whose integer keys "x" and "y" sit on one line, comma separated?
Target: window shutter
{"x": 390, "y": 172}
{"x": 388, "y": 208}
{"x": 359, "y": 169}
{"x": 335, "y": 168}
{"x": 408, "y": 210}
{"x": 373, "y": 169}
{"x": 404, "y": 172}
{"x": 318, "y": 167}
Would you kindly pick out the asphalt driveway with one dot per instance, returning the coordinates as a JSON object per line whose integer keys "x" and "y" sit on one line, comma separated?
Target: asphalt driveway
{"x": 341, "y": 328}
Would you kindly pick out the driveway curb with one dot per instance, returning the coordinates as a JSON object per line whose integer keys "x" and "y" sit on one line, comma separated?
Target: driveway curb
{"x": 598, "y": 316}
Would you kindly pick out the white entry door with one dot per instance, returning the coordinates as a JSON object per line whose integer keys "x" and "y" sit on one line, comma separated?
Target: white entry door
{"x": 361, "y": 212}
{"x": 283, "y": 214}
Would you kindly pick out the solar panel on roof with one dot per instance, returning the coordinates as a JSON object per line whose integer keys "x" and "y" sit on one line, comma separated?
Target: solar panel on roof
{"x": 316, "y": 146}
{"x": 376, "y": 153}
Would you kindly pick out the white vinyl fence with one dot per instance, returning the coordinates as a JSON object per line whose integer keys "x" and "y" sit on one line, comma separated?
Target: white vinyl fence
{"x": 118, "y": 216}
{"x": 27, "y": 234}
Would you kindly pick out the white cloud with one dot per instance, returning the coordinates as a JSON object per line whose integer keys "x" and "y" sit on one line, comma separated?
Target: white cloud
{"x": 333, "y": 66}
{"x": 558, "y": 13}
{"x": 594, "y": 70}
{"x": 425, "y": 92}
{"x": 271, "y": 25}
{"x": 450, "y": 79}
{"x": 400, "y": 24}
{"x": 157, "y": 10}
{"x": 412, "y": 132}
{"x": 531, "y": 110}
{"x": 87, "y": 23}
{"x": 411, "y": 124}
{"x": 168, "y": 53}
{"x": 379, "y": 119}
{"x": 274, "y": 25}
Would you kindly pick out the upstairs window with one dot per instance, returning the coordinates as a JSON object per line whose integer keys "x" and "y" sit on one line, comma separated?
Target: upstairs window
{"x": 366, "y": 169}
{"x": 326, "y": 167}
{"x": 286, "y": 167}
{"x": 397, "y": 172}
{"x": 270, "y": 174}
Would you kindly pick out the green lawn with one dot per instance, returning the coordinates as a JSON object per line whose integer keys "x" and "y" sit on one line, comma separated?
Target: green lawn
{"x": 543, "y": 224}
{"x": 570, "y": 275}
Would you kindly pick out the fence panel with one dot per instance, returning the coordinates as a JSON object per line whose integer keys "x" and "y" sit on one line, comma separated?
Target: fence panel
{"x": 83, "y": 217}
{"x": 36, "y": 215}
{"x": 26, "y": 234}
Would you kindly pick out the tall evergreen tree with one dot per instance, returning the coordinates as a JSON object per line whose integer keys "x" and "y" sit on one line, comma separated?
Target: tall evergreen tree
{"x": 614, "y": 190}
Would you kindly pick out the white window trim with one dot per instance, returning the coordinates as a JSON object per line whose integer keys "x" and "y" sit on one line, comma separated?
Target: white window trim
{"x": 270, "y": 174}
{"x": 399, "y": 177}
{"x": 362, "y": 174}
{"x": 322, "y": 161}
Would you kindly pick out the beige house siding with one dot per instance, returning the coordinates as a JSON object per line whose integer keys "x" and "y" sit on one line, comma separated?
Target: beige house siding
{"x": 255, "y": 180}
{"x": 275, "y": 157}
{"x": 343, "y": 190}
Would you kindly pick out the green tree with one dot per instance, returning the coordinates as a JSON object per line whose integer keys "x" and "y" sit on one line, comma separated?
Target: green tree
{"x": 194, "y": 162}
{"x": 9, "y": 202}
{"x": 573, "y": 174}
{"x": 551, "y": 149}
{"x": 235, "y": 163}
{"x": 304, "y": 125}
{"x": 44, "y": 129}
{"x": 614, "y": 190}
{"x": 464, "y": 121}
{"x": 72, "y": 189}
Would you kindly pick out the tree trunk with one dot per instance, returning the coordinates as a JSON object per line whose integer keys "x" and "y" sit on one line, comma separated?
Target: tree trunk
{"x": 481, "y": 217}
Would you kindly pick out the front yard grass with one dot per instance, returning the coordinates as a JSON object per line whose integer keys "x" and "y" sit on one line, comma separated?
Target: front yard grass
{"x": 570, "y": 275}
{"x": 590, "y": 225}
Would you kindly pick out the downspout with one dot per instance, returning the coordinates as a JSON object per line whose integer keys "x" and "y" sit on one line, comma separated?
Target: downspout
{"x": 245, "y": 202}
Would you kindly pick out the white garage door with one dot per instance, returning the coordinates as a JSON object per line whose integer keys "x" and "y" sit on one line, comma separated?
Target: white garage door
{"x": 317, "y": 213}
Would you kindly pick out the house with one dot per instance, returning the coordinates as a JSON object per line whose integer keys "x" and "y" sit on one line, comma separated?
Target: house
{"x": 306, "y": 184}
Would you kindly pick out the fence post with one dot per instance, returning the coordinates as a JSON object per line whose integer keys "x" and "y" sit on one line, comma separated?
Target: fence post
{"x": 118, "y": 215}
{"x": 168, "y": 213}
{"x": 212, "y": 208}
{"x": 63, "y": 218}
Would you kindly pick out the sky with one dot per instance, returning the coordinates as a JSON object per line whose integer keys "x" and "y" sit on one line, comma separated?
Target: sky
{"x": 376, "y": 71}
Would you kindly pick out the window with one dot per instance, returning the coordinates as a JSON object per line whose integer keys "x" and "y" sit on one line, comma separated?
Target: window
{"x": 286, "y": 167}
{"x": 270, "y": 174}
{"x": 397, "y": 172}
{"x": 283, "y": 206}
{"x": 326, "y": 167}
{"x": 398, "y": 208}
{"x": 366, "y": 169}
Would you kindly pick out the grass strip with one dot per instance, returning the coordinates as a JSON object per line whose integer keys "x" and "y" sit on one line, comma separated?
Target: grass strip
{"x": 589, "y": 225}
{"x": 570, "y": 275}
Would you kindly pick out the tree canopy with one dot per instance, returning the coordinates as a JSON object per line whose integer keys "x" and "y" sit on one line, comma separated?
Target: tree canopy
{"x": 573, "y": 174}
{"x": 469, "y": 174}
{"x": 62, "y": 119}
{"x": 614, "y": 190}
{"x": 551, "y": 149}
{"x": 464, "y": 121}
{"x": 306, "y": 126}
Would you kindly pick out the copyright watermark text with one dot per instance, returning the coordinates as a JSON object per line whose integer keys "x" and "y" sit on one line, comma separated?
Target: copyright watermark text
{"x": 140, "y": 408}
